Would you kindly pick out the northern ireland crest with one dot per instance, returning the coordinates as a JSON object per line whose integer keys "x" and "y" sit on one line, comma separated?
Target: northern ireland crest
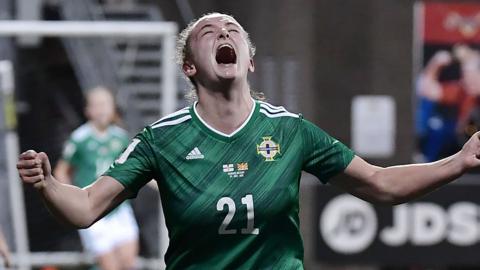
{"x": 268, "y": 148}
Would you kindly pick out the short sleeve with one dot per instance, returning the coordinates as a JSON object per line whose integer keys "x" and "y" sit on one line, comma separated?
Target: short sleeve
{"x": 324, "y": 156}
{"x": 70, "y": 152}
{"x": 135, "y": 166}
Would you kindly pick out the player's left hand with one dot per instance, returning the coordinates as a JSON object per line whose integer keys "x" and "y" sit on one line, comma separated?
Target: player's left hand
{"x": 469, "y": 156}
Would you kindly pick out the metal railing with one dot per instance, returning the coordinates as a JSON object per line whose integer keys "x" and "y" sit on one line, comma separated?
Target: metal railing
{"x": 90, "y": 57}
{"x": 117, "y": 63}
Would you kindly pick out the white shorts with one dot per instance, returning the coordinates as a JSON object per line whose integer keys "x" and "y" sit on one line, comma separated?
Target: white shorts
{"x": 111, "y": 231}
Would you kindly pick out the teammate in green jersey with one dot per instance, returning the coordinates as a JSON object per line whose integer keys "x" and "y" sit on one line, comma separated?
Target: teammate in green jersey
{"x": 228, "y": 167}
{"x": 90, "y": 150}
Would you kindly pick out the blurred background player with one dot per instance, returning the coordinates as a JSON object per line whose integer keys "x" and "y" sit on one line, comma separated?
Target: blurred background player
{"x": 90, "y": 150}
{"x": 4, "y": 251}
{"x": 458, "y": 100}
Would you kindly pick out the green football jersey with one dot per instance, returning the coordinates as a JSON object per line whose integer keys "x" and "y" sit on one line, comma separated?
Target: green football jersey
{"x": 231, "y": 201}
{"x": 90, "y": 154}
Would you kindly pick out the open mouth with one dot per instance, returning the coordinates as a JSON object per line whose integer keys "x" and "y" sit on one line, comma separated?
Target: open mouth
{"x": 226, "y": 54}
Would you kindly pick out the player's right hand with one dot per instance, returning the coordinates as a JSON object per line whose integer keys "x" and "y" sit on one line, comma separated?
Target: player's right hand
{"x": 34, "y": 168}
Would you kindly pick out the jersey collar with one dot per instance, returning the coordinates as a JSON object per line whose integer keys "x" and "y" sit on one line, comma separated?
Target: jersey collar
{"x": 101, "y": 137}
{"x": 218, "y": 134}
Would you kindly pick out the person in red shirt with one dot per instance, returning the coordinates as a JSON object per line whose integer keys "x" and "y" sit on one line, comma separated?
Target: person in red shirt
{"x": 463, "y": 94}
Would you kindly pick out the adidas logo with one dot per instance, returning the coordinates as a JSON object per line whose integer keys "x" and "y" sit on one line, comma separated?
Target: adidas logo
{"x": 195, "y": 154}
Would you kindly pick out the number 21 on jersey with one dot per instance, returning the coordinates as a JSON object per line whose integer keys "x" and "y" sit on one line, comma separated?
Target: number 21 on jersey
{"x": 230, "y": 203}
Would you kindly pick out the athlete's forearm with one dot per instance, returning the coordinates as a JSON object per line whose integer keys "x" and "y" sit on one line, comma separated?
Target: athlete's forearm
{"x": 68, "y": 203}
{"x": 75, "y": 206}
{"x": 407, "y": 182}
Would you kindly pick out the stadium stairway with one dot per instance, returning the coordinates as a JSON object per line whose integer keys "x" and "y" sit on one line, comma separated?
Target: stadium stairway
{"x": 130, "y": 67}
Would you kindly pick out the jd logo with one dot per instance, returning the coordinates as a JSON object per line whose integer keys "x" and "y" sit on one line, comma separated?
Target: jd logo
{"x": 348, "y": 225}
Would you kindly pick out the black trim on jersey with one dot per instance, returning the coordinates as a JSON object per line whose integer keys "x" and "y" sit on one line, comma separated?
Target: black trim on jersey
{"x": 170, "y": 118}
{"x": 271, "y": 106}
{"x": 270, "y": 112}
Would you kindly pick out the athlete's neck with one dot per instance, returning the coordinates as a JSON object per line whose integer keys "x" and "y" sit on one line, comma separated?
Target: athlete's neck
{"x": 225, "y": 111}
{"x": 100, "y": 130}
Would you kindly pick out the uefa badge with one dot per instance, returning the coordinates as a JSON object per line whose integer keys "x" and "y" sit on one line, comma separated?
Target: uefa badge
{"x": 268, "y": 148}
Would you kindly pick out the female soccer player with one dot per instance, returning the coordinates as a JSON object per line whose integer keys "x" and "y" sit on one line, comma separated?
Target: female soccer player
{"x": 91, "y": 148}
{"x": 228, "y": 167}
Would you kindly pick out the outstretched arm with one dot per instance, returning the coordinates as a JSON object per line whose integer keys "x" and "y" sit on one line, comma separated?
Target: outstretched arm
{"x": 398, "y": 184}
{"x": 72, "y": 205}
